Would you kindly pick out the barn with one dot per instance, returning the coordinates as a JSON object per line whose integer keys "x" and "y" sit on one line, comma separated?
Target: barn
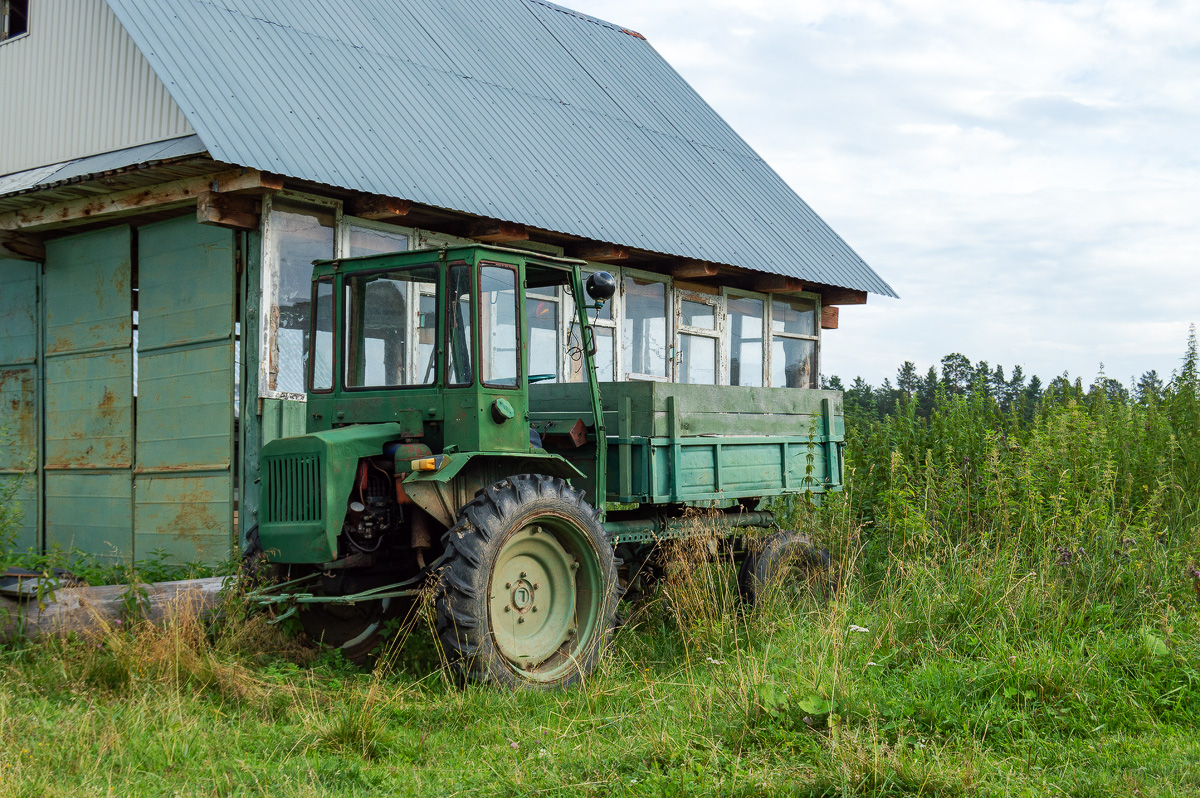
{"x": 169, "y": 169}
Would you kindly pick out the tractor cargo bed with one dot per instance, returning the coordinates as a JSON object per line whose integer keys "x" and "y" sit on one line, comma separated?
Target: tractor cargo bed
{"x": 700, "y": 444}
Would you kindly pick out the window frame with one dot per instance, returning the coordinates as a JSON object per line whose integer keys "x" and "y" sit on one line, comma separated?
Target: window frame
{"x": 6, "y": 8}
{"x": 411, "y": 327}
{"x": 347, "y": 222}
{"x": 518, "y": 321}
{"x": 815, "y": 337}
{"x": 716, "y": 333}
{"x": 270, "y": 282}
{"x": 472, "y": 293}
{"x": 624, "y": 374}
{"x": 765, "y": 344}
{"x": 312, "y": 337}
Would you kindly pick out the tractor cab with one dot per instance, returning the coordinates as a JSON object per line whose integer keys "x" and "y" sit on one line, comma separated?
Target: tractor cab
{"x": 433, "y": 340}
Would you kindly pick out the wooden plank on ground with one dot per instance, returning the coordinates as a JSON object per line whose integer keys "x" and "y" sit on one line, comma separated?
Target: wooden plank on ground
{"x": 90, "y": 609}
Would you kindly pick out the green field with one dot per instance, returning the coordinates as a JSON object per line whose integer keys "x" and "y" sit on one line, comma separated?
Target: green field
{"x": 1016, "y": 613}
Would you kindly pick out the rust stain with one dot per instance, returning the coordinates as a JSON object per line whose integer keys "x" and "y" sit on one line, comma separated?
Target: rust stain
{"x": 108, "y": 405}
{"x": 193, "y": 516}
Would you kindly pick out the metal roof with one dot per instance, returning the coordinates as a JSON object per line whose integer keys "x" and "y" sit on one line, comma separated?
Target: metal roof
{"x": 518, "y": 110}
{"x": 81, "y": 168}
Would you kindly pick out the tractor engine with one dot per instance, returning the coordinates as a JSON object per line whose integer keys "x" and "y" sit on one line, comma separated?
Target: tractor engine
{"x": 372, "y": 512}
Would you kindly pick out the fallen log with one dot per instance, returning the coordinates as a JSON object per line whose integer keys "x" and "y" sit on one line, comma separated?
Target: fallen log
{"x": 84, "y": 609}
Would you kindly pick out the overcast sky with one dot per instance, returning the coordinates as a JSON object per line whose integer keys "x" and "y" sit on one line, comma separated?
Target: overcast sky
{"x": 1026, "y": 175}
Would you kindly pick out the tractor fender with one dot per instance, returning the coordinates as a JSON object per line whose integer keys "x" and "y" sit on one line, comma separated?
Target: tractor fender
{"x": 461, "y": 474}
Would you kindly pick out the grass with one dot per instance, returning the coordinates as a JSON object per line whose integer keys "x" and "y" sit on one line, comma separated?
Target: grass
{"x": 981, "y": 679}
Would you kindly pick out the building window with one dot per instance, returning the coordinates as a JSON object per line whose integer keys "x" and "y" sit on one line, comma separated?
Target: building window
{"x": 296, "y": 236}
{"x": 15, "y": 21}
{"x": 793, "y": 343}
{"x": 745, "y": 321}
{"x": 645, "y": 328}
{"x": 604, "y": 327}
{"x": 361, "y": 237}
{"x": 698, "y": 320}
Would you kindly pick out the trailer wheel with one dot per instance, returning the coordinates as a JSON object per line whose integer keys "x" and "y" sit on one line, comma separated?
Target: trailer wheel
{"x": 785, "y": 564}
{"x": 528, "y": 594}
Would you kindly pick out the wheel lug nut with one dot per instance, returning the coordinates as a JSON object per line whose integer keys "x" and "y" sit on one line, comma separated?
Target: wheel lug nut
{"x": 534, "y": 608}
{"x": 507, "y": 608}
{"x": 536, "y": 585}
{"x": 523, "y": 574}
{"x": 508, "y": 585}
{"x": 520, "y": 620}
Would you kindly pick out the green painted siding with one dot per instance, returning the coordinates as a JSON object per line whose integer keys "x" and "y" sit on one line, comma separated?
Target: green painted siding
{"x": 88, "y": 392}
{"x": 20, "y": 420}
{"x": 183, "y": 484}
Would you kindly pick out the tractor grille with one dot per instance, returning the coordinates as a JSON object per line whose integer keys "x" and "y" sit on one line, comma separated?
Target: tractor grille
{"x": 293, "y": 489}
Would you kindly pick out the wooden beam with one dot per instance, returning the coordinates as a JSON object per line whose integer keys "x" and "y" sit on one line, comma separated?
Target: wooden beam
{"x": 602, "y": 253}
{"x": 377, "y": 208}
{"x": 776, "y": 284}
{"x": 497, "y": 232}
{"x": 134, "y": 201}
{"x": 19, "y": 247}
{"x": 691, "y": 269}
{"x": 843, "y": 296}
{"x": 239, "y": 211}
{"x": 96, "y": 610}
{"x": 829, "y": 317}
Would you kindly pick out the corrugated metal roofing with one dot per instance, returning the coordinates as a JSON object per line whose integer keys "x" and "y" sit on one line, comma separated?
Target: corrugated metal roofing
{"x": 518, "y": 110}
{"x": 97, "y": 164}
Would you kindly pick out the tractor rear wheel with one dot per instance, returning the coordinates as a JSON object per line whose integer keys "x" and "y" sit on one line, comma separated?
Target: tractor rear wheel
{"x": 528, "y": 593}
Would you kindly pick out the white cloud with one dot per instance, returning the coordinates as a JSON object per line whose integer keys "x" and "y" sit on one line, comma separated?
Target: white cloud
{"x": 1024, "y": 173}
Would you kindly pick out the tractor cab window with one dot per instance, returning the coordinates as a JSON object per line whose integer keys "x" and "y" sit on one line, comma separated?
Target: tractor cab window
{"x": 458, "y": 324}
{"x": 499, "y": 336}
{"x": 391, "y": 328}
{"x": 321, "y": 361}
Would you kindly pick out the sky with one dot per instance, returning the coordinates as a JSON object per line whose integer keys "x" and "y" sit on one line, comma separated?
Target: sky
{"x": 1025, "y": 175}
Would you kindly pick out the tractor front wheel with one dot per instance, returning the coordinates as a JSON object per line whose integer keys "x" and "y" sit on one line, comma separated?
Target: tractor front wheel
{"x": 528, "y": 593}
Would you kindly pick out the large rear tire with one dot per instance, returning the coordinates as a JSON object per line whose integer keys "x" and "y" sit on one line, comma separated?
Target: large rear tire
{"x": 528, "y": 594}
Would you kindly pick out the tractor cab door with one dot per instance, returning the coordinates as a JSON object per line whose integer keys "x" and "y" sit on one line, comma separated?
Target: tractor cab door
{"x": 487, "y": 398}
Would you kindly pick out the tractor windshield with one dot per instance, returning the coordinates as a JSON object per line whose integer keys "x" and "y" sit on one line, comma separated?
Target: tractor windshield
{"x": 391, "y": 328}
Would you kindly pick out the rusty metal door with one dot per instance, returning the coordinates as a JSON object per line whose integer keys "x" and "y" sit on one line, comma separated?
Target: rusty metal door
{"x": 183, "y": 479}
{"x": 20, "y": 419}
{"x": 88, "y": 393}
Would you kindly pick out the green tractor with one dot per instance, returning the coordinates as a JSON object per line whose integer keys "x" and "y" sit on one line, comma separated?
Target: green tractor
{"x": 435, "y": 462}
